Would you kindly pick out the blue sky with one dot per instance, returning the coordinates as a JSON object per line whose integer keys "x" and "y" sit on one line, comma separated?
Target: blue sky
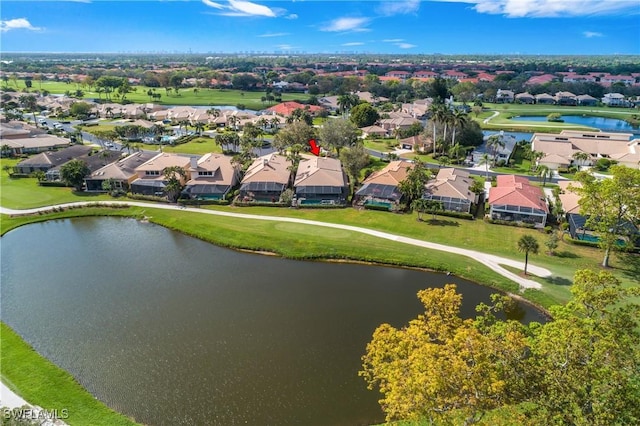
{"x": 581, "y": 27}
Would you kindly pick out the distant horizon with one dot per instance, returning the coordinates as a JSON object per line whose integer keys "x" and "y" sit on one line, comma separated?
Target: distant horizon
{"x": 335, "y": 27}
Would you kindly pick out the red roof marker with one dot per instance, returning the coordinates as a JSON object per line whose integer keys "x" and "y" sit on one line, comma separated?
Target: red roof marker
{"x": 315, "y": 148}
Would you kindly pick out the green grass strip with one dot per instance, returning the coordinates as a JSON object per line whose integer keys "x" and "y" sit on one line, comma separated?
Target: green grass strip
{"x": 42, "y": 383}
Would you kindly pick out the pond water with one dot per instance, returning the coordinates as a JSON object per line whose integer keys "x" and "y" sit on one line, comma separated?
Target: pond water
{"x": 602, "y": 123}
{"x": 168, "y": 329}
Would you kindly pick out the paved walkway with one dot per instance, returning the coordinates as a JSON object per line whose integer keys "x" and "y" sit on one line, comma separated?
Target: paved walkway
{"x": 491, "y": 261}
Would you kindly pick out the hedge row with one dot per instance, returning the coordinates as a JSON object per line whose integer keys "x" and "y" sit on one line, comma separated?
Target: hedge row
{"x": 203, "y": 202}
{"x": 511, "y": 223}
{"x": 459, "y": 215}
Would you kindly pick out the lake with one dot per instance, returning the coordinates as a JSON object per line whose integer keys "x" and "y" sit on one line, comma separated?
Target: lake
{"x": 169, "y": 329}
{"x": 601, "y": 123}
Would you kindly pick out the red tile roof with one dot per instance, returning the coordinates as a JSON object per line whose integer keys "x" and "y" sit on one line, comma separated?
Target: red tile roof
{"x": 516, "y": 191}
{"x": 287, "y": 108}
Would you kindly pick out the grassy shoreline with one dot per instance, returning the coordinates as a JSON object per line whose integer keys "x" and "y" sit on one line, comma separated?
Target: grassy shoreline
{"x": 290, "y": 240}
{"x": 49, "y": 386}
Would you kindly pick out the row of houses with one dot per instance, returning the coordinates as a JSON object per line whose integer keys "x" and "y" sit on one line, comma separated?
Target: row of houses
{"x": 512, "y": 199}
{"x": 561, "y": 98}
{"x": 582, "y": 149}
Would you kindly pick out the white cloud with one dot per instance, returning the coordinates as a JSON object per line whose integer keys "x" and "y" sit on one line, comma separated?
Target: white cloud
{"x": 16, "y": 24}
{"x": 242, "y": 8}
{"x": 274, "y": 34}
{"x": 405, "y": 45}
{"x": 393, "y": 40}
{"x": 353, "y": 43}
{"x": 551, "y": 8}
{"x": 398, "y": 7}
{"x": 292, "y": 16}
{"x": 592, "y": 34}
{"x": 347, "y": 24}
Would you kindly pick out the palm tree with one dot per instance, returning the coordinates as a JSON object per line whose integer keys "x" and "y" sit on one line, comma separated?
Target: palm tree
{"x": 419, "y": 205}
{"x": 484, "y": 161}
{"x": 447, "y": 118}
{"x": 199, "y": 127}
{"x": 527, "y": 244}
{"x": 458, "y": 119}
{"x": 581, "y": 157}
{"x": 494, "y": 143}
{"x": 233, "y": 122}
{"x": 437, "y": 111}
{"x": 174, "y": 178}
{"x": 456, "y": 151}
{"x": 535, "y": 156}
{"x": 544, "y": 172}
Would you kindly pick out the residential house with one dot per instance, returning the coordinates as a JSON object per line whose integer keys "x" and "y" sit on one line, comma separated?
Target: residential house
{"x": 381, "y": 188}
{"x": 151, "y": 179}
{"x": 425, "y": 74}
{"x": 48, "y": 160}
{"x": 93, "y": 160}
{"x": 121, "y": 172}
{"x": 321, "y": 180}
{"x": 565, "y": 98}
{"x": 525, "y": 98}
{"x": 391, "y": 124}
{"x": 505, "y": 96}
{"x": 586, "y": 100}
{"x": 286, "y": 108}
{"x": 608, "y": 80}
{"x": 400, "y": 75}
{"x": 452, "y": 188}
{"x": 515, "y": 199}
{"x": 560, "y": 149}
{"x": 577, "y": 222}
{"x": 540, "y": 79}
{"x": 34, "y": 144}
{"x": 421, "y": 143}
{"x": 374, "y": 132}
{"x": 212, "y": 177}
{"x": 266, "y": 179}
{"x": 18, "y": 130}
{"x": 614, "y": 99}
{"x": 545, "y": 99}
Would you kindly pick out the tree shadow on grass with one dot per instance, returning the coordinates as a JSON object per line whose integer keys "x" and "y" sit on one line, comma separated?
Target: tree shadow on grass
{"x": 84, "y": 194}
{"x": 558, "y": 281}
{"x": 565, "y": 254}
{"x": 630, "y": 265}
{"x": 441, "y": 222}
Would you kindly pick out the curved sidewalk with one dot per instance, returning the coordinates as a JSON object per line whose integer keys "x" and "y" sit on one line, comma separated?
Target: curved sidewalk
{"x": 491, "y": 261}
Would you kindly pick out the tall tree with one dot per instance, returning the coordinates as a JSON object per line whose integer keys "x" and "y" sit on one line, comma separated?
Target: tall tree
{"x": 73, "y": 173}
{"x": 364, "y": 114}
{"x": 458, "y": 120}
{"x": 175, "y": 177}
{"x": 579, "y": 368}
{"x": 354, "y": 159}
{"x": 338, "y": 133}
{"x": 610, "y": 205}
{"x": 412, "y": 186}
{"x": 528, "y": 244}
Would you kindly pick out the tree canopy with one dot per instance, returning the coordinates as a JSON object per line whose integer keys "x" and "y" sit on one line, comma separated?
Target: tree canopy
{"x": 338, "y": 133}
{"x": 74, "y": 172}
{"x": 610, "y": 205}
{"x": 581, "y": 368}
{"x": 364, "y": 114}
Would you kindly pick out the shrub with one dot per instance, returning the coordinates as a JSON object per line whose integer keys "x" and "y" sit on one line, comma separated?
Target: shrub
{"x": 187, "y": 202}
{"x": 146, "y": 197}
{"x": 376, "y": 207}
{"x": 547, "y": 229}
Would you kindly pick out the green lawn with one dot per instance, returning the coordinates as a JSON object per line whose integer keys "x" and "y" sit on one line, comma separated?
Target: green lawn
{"x": 382, "y": 145}
{"x": 25, "y": 193}
{"x": 204, "y": 97}
{"x": 39, "y": 381}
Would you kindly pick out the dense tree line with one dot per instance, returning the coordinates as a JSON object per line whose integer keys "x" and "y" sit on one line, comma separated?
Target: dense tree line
{"x": 580, "y": 368}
